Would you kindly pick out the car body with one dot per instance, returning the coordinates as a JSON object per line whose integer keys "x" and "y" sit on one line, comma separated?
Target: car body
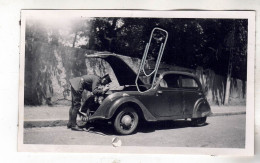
{"x": 174, "y": 95}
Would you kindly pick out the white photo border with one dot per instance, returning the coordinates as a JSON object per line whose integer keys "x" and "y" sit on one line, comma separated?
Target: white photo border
{"x": 249, "y": 142}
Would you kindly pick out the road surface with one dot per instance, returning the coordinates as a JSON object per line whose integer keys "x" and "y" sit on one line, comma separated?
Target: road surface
{"x": 219, "y": 132}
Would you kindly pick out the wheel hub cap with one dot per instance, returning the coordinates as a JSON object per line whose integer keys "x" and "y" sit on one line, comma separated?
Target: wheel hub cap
{"x": 126, "y": 120}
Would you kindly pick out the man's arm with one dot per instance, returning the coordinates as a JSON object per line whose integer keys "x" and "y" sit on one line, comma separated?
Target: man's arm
{"x": 95, "y": 89}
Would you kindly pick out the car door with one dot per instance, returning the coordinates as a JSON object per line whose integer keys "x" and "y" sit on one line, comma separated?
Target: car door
{"x": 191, "y": 93}
{"x": 168, "y": 99}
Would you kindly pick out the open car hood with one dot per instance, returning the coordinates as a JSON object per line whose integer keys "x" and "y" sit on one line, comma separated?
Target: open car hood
{"x": 124, "y": 73}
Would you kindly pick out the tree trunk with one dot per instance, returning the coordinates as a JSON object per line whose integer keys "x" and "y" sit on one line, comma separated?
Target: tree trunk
{"x": 228, "y": 78}
{"x": 227, "y": 90}
{"x": 75, "y": 38}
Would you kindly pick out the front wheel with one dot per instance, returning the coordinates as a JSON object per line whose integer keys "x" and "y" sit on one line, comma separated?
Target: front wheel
{"x": 199, "y": 121}
{"x": 126, "y": 121}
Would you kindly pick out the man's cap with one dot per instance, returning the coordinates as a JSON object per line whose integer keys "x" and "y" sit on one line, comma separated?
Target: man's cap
{"x": 107, "y": 77}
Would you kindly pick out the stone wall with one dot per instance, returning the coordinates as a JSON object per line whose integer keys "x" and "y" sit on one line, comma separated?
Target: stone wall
{"x": 215, "y": 85}
{"x": 49, "y": 68}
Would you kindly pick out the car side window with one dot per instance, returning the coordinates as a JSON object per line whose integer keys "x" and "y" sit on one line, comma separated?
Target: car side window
{"x": 189, "y": 82}
{"x": 170, "y": 81}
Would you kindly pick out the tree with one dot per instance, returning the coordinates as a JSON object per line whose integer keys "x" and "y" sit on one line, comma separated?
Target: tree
{"x": 191, "y": 42}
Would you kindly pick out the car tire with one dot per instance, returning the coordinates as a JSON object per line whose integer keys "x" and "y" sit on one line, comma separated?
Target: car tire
{"x": 126, "y": 121}
{"x": 199, "y": 121}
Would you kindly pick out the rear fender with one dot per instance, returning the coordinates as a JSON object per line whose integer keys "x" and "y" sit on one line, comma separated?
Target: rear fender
{"x": 201, "y": 109}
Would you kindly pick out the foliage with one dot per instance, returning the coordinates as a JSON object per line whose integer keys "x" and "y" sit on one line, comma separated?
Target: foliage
{"x": 192, "y": 42}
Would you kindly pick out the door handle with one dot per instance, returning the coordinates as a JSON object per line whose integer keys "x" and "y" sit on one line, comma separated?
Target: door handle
{"x": 159, "y": 92}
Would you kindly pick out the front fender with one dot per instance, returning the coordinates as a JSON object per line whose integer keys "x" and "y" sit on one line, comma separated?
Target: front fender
{"x": 107, "y": 111}
{"x": 201, "y": 109}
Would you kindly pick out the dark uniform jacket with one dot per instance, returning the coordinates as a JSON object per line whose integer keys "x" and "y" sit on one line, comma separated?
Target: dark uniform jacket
{"x": 88, "y": 82}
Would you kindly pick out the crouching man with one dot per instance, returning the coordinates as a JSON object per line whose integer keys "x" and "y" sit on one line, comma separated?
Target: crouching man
{"x": 90, "y": 83}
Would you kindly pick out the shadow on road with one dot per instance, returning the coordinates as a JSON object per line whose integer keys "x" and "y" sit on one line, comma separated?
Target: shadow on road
{"x": 102, "y": 129}
{"x": 145, "y": 127}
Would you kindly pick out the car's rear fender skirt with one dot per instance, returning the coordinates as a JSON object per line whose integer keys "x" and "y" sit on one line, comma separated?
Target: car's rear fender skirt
{"x": 201, "y": 109}
{"x": 108, "y": 113}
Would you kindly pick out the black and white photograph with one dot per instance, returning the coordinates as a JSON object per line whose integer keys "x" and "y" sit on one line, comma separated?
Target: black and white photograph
{"x": 129, "y": 81}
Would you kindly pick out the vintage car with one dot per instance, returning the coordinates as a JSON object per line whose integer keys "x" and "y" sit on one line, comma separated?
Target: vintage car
{"x": 173, "y": 95}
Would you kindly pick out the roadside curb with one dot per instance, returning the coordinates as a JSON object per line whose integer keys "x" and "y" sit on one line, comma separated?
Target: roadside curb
{"x": 53, "y": 123}
{"x": 228, "y": 114}
{"x": 44, "y": 123}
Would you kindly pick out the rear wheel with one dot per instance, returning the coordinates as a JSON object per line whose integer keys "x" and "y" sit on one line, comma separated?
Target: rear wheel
{"x": 199, "y": 121}
{"x": 126, "y": 121}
